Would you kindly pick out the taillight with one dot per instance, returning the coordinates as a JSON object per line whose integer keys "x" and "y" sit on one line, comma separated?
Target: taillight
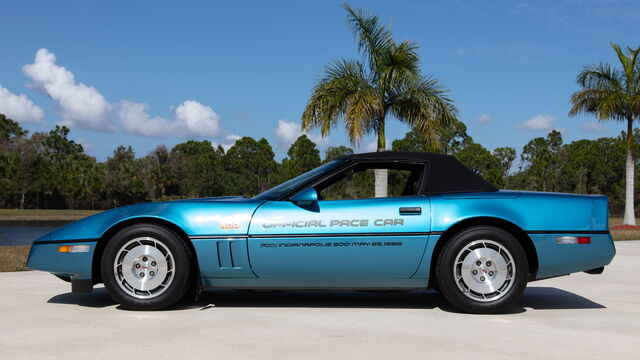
{"x": 584, "y": 240}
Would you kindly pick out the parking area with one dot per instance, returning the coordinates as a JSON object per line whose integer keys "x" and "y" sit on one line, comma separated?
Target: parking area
{"x": 579, "y": 316}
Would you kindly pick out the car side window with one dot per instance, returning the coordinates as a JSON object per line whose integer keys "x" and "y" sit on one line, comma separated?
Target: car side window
{"x": 359, "y": 182}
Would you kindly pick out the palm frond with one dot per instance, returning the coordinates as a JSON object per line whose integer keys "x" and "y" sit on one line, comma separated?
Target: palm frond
{"x": 364, "y": 95}
{"x": 425, "y": 105}
{"x": 344, "y": 92}
{"x": 398, "y": 63}
{"x": 371, "y": 36}
{"x": 600, "y": 76}
{"x": 365, "y": 108}
{"x": 629, "y": 62}
{"x": 603, "y": 103}
{"x": 607, "y": 92}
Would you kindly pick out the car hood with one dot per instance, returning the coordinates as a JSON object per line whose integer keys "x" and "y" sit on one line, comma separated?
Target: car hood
{"x": 196, "y": 217}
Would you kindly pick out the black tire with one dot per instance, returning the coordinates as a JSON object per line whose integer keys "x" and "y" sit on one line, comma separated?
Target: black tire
{"x": 454, "y": 287}
{"x": 175, "y": 283}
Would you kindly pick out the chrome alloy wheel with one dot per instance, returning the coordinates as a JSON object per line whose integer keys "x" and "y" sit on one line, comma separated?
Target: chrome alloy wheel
{"x": 484, "y": 270}
{"x": 144, "y": 268}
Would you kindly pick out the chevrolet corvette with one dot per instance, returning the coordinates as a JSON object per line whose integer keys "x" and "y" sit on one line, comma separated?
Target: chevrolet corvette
{"x": 441, "y": 226}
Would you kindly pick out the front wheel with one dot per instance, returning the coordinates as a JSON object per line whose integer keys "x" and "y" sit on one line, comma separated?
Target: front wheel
{"x": 146, "y": 267}
{"x": 483, "y": 269}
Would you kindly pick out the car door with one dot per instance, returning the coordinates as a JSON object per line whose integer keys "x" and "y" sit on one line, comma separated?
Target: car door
{"x": 354, "y": 242}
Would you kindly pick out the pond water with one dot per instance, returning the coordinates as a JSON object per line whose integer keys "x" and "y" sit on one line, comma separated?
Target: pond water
{"x": 23, "y": 232}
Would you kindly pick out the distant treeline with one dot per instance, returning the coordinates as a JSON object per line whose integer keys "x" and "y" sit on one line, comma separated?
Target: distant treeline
{"x": 47, "y": 170}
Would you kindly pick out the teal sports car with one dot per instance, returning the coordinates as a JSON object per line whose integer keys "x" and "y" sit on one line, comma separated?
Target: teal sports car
{"x": 440, "y": 226}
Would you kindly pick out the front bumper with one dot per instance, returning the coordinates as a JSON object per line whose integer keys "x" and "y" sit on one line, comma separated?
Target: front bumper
{"x": 44, "y": 256}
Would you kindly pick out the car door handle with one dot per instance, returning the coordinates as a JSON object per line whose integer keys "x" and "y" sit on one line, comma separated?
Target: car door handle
{"x": 410, "y": 211}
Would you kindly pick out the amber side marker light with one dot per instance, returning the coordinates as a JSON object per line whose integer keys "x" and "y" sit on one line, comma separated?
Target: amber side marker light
{"x": 73, "y": 248}
{"x": 566, "y": 240}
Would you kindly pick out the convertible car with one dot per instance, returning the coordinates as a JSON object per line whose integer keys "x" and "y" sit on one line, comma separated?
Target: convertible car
{"x": 441, "y": 226}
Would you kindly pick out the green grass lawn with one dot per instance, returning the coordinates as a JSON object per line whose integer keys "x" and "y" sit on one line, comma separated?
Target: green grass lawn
{"x": 40, "y": 214}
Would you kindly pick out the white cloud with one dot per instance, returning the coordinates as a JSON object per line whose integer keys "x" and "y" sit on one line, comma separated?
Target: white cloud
{"x": 371, "y": 146}
{"x": 483, "y": 119}
{"x": 80, "y": 105}
{"x": 191, "y": 120}
{"x": 539, "y": 123}
{"x": 135, "y": 119}
{"x": 197, "y": 120}
{"x": 19, "y": 107}
{"x": 288, "y": 131}
{"x": 85, "y": 107}
{"x": 595, "y": 127}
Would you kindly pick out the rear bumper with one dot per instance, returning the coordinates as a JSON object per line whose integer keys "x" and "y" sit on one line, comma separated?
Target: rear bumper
{"x": 561, "y": 259}
{"x": 44, "y": 256}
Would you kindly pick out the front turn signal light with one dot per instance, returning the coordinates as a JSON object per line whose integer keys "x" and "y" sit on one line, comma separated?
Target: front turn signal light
{"x": 73, "y": 248}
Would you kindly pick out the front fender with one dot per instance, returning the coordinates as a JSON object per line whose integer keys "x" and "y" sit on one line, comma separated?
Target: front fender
{"x": 193, "y": 217}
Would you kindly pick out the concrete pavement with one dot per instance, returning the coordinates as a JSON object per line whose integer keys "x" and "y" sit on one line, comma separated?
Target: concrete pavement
{"x": 576, "y": 317}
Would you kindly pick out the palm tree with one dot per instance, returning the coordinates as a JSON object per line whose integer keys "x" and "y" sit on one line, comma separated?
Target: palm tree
{"x": 613, "y": 94}
{"x": 386, "y": 83}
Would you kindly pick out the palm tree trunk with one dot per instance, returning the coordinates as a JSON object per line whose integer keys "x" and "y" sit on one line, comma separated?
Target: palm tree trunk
{"x": 381, "y": 175}
{"x": 629, "y": 209}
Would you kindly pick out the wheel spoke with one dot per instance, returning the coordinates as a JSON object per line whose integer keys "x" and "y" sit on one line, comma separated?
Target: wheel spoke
{"x": 144, "y": 268}
{"x": 484, "y": 270}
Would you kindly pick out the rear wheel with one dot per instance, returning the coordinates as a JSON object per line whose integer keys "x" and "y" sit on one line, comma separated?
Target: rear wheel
{"x": 482, "y": 269}
{"x": 146, "y": 267}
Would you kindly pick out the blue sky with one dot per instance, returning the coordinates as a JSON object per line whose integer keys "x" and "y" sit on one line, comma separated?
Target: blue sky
{"x": 146, "y": 73}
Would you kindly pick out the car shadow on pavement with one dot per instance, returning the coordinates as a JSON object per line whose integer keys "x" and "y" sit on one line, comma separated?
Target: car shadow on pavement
{"x": 551, "y": 298}
{"x": 323, "y": 299}
{"x": 98, "y": 298}
{"x": 536, "y": 298}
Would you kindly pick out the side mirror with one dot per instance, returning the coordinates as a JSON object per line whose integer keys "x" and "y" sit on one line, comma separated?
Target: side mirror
{"x": 307, "y": 196}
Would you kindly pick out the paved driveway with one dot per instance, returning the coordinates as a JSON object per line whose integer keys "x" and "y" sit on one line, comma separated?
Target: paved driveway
{"x": 577, "y": 317}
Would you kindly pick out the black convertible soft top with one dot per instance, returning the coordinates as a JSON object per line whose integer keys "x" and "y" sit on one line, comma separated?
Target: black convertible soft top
{"x": 445, "y": 174}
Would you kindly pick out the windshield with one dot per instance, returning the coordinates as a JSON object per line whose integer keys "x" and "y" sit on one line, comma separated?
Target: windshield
{"x": 286, "y": 187}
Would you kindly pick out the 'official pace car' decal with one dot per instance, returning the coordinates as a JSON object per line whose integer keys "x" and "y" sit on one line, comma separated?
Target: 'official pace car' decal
{"x": 333, "y": 223}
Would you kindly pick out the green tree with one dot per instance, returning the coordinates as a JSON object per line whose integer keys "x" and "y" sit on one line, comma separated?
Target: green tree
{"x": 593, "y": 167}
{"x": 10, "y": 162}
{"x": 10, "y": 129}
{"x": 451, "y": 139}
{"x": 198, "y": 169}
{"x": 540, "y": 158}
{"x": 506, "y": 155}
{"x": 123, "y": 177}
{"x": 58, "y": 145}
{"x": 481, "y": 161}
{"x": 251, "y": 166}
{"x": 28, "y": 157}
{"x": 62, "y": 154}
{"x": 82, "y": 181}
{"x": 158, "y": 172}
{"x": 43, "y": 183}
{"x": 335, "y": 152}
{"x": 302, "y": 156}
{"x": 613, "y": 94}
{"x": 388, "y": 83}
